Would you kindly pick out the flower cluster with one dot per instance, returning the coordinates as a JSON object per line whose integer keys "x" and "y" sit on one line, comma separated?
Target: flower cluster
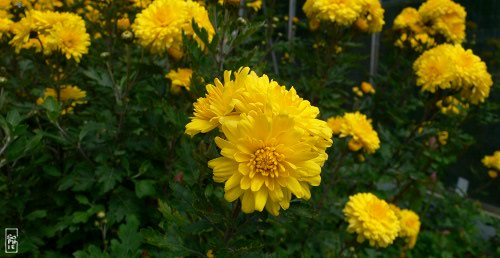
{"x": 493, "y": 163}
{"x": 452, "y": 67}
{"x": 50, "y": 32}
{"x": 69, "y": 96}
{"x": 366, "y": 15}
{"x": 409, "y": 223}
{"x": 365, "y": 88}
{"x": 435, "y": 20}
{"x": 161, "y": 25}
{"x": 371, "y": 219}
{"x": 451, "y": 105}
{"x": 359, "y": 128}
{"x": 272, "y": 145}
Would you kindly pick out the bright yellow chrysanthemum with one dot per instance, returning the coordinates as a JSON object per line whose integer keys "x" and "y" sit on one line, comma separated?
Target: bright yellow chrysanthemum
{"x": 409, "y": 18}
{"x": 70, "y": 39}
{"x": 445, "y": 17}
{"x": 273, "y": 160}
{"x": 159, "y": 27}
{"x": 5, "y": 27}
{"x": 141, "y": 3}
{"x": 69, "y": 96}
{"x": 52, "y": 31}
{"x": 371, "y": 219}
{"x": 359, "y": 128}
{"x": 342, "y": 12}
{"x": 180, "y": 78}
{"x": 492, "y": 161}
{"x": 249, "y": 92}
{"x": 450, "y": 66}
{"x": 410, "y": 227}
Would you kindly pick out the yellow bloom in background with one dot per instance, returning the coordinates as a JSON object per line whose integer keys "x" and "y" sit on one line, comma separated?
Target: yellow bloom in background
{"x": 71, "y": 39}
{"x": 451, "y": 105}
{"x": 159, "y": 27}
{"x": 492, "y": 173}
{"x": 342, "y": 12}
{"x": 371, "y": 219}
{"x": 409, "y": 18}
{"x": 367, "y": 88}
{"x": 492, "y": 161}
{"x": 180, "y": 78}
{"x": 446, "y": 18}
{"x": 410, "y": 227}
{"x": 371, "y": 18}
{"x": 451, "y": 66}
{"x": 255, "y": 5}
{"x": 5, "y": 27}
{"x": 69, "y": 95}
{"x": 359, "y": 128}
{"x": 357, "y": 91}
{"x": 443, "y": 137}
{"x": 52, "y": 31}
{"x": 123, "y": 23}
{"x": 271, "y": 162}
{"x": 335, "y": 123}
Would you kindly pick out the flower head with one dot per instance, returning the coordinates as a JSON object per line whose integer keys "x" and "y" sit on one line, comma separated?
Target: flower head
{"x": 160, "y": 26}
{"x": 180, "y": 78}
{"x": 335, "y": 123}
{"x": 446, "y": 18}
{"x": 265, "y": 159}
{"x": 367, "y": 88}
{"x": 372, "y": 219}
{"x": 410, "y": 226}
{"x": 359, "y": 128}
{"x": 492, "y": 161}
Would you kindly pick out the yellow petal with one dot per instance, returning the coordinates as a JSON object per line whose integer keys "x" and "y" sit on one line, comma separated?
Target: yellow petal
{"x": 233, "y": 194}
{"x": 260, "y": 199}
{"x": 245, "y": 182}
{"x": 248, "y": 202}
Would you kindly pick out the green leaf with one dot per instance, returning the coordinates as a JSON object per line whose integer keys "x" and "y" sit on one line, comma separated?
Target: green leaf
{"x": 36, "y": 215}
{"x": 145, "y": 188}
{"x": 80, "y": 217}
{"x": 130, "y": 239}
{"x": 13, "y": 118}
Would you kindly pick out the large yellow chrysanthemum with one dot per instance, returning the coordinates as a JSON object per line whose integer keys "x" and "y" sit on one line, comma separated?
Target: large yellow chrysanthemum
{"x": 359, "y": 127}
{"x": 250, "y": 92}
{"x": 450, "y": 66}
{"x": 410, "y": 226}
{"x": 159, "y": 27}
{"x": 342, "y": 12}
{"x": 372, "y": 219}
{"x": 265, "y": 159}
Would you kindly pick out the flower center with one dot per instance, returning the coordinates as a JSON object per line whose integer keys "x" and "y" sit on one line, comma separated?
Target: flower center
{"x": 266, "y": 162}
{"x": 378, "y": 211}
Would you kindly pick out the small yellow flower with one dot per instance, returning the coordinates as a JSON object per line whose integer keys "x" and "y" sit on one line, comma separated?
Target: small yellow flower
{"x": 359, "y": 127}
{"x": 367, "y": 88}
{"x": 123, "y": 23}
{"x": 180, "y": 78}
{"x": 410, "y": 227}
{"x": 492, "y": 161}
{"x": 443, "y": 137}
{"x": 335, "y": 123}
{"x": 492, "y": 173}
{"x": 371, "y": 219}
{"x": 357, "y": 91}
{"x": 210, "y": 253}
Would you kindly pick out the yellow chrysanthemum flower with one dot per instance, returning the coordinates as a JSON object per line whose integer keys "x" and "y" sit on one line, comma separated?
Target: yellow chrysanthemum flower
{"x": 342, "y": 12}
{"x": 250, "y": 92}
{"x": 159, "y": 27}
{"x": 5, "y": 27}
{"x": 372, "y": 219}
{"x": 450, "y": 66}
{"x": 410, "y": 227}
{"x": 52, "y": 31}
{"x": 71, "y": 39}
{"x": 443, "y": 137}
{"x": 451, "y": 105}
{"x": 69, "y": 95}
{"x": 409, "y": 18}
{"x": 274, "y": 160}
{"x": 180, "y": 78}
{"x": 445, "y": 17}
{"x": 141, "y": 3}
{"x": 359, "y": 128}
{"x": 492, "y": 161}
